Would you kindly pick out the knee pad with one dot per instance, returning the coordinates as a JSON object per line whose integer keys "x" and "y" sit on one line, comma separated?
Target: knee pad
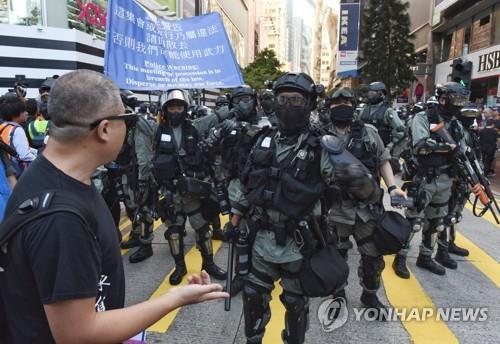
{"x": 417, "y": 224}
{"x": 173, "y": 230}
{"x": 436, "y": 225}
{"x": 293, "y": 302}
{"x": 450, "y": 219}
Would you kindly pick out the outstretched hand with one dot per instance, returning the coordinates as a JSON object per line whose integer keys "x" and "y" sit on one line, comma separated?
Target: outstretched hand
{"x": 199, "y": 289}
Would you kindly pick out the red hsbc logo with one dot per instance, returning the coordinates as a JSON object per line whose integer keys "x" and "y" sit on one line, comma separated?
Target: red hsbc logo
{"x": 92, "y": 13}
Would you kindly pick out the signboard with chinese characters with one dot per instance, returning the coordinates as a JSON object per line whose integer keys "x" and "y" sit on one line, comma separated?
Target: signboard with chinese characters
{"x": 347, "y": 61}
{"x": 144, "y": 52}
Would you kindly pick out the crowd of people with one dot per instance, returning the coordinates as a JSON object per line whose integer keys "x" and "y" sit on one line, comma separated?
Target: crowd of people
{"x": 298, "y": 171}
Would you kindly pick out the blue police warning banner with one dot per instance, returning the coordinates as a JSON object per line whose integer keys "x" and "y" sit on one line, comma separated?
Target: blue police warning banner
{"x": 144, "y": 52}
{"x": 348, "y": 40}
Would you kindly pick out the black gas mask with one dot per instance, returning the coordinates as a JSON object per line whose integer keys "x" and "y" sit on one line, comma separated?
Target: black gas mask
{"x": 244, "y": 106}
{"x": 448, "y": 111}
{"x": 267, "y": 105}
{"x": 292, "y": 113}
{"x": 342, "y": 115}
{"x": 374, "y": 97}
{"x": 176, "y": 118}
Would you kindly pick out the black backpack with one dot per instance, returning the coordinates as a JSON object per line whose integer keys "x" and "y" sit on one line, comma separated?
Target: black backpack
{"x": 37, "y": 206}
{"x": 40, "y": 205}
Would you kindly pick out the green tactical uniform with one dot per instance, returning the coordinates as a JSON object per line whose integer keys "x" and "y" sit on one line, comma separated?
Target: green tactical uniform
{"x": 390, "y": 127}
{"x": 136, "y": 184}
{"x": 182, "y": 170}
{"x": 435, "y": 179}
{"x": 276, "y": 256}
{"x": 359, "y": 219}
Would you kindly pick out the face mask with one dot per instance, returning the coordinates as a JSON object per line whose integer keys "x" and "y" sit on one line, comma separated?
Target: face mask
{"x": 176, "y": 118}
{"x": 245, "y": 109}
{"x": 267, "y": 105}
{"x": 448, "y": 111}
{"x": 374, "y": 97}
{"x": 292, "y": 120}
{"x": 467, "y": 121}
{"x": 222, "y": 111}
{"x": 324, "y": 116}
{"x": 342, "y": 113}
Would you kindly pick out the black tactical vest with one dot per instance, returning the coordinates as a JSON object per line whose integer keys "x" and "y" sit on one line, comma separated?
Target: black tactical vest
{"x": 170, "y": 161}
{"x": 436, "y": 160}
{"x": 235, "y": 148}
{"x": 292, "y": 186}
{"x": 377, "y": 119}
{"x": 364, "y": 150}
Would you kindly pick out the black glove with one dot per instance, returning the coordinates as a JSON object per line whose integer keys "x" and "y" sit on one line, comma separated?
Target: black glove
{"x": 230, "y": 232}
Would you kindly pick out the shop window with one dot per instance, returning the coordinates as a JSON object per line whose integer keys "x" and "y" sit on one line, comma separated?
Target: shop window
{"x": 21, "y": 12}
{"x": 484, "y": 20}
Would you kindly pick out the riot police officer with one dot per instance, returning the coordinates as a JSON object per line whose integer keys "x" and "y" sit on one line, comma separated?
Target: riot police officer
{"x": 282, "y": 184}
{"x": 182, "y": 172}
{"x": 459, "y": 191}
{"x": 132, "y": 175}
{"x": 379, "y": 114}
{"x": 266, "y": 100}
{"x": 434, "y": 153}
{"x": 352, "y": 217}
{"x": 233, "y": 140}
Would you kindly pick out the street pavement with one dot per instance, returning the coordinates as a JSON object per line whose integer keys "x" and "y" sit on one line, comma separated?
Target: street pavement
{"x": 475, "y": 284}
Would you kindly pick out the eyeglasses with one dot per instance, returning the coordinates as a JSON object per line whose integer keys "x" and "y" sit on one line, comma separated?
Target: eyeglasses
{"x": 130, "y": 120}
{"x": 293, "y": 101}
{"x": 244, "y": 99}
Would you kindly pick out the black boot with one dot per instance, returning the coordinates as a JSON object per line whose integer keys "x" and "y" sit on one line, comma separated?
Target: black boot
{"x": 143, "y": 253}
{"x": 176, "y": 243}
{"x": 133, "y": 241}
{"x": 443, "y": 258}
{"x": 459, "y": 251}
{"x": 426, "y": 262}
{"x": 213, "y": 270}
{"x": 370, "y": 300}
{"x": 206, "y": 250}
{"x": 180, "y": 270}
{"x": 453, "y": 248}
{"x": 399, "y": 266}
{"x": 218, "y": 234}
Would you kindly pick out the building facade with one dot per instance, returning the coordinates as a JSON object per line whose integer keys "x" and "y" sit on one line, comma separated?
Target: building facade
{"x": 470, "y": 30}
{"x": 273, "y": 32}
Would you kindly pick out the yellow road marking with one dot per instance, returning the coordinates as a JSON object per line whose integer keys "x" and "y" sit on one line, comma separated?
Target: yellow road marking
{"x": 193, "y": 264}
{"x": 124, "y": 224}
{"x": 126, "y": 236}
{"x": 277, "y": 322}
{"x": 487, "y": 216}
{"x": 409, "y": 294}
{"x": 480, "y": 259}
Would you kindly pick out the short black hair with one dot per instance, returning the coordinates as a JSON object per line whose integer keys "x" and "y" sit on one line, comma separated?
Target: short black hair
{"x": 490, "y": 121}
{"x": 11, "y": 107}
{"x": 32, "y": 107}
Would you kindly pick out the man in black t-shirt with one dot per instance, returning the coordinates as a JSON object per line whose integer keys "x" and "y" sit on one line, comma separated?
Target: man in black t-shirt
{"x": 56, "y": 274}
{"x": 488, "y": 142}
